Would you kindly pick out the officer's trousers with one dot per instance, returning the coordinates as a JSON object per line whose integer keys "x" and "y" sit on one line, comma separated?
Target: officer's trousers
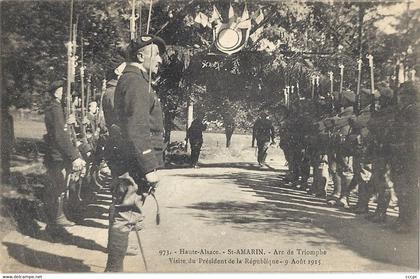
{"x": 56, "y": 186}
{"x": 362, "y": 176}
{"x": 301, "y": 165}
{"x": 195, "y": 152}
{"x": 405, "y": 178}
{"x": 320, "y": 174}
{"x": 121, "y": 222}
{"x": 380, "y": 184}
{"x": 262, "y": 151}
{"x": 341, "y": 169}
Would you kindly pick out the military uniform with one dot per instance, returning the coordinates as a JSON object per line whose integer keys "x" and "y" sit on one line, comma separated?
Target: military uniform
{"x": 404, "y": 160}
{"x": 58, "y": 159}
{"x": 262, "y": 131}
{"x": 108, "y": 102}
{"x": 137, "y": 149}
{"x": 359, "y": 140}
{"x": 229, "y": 123}
{"x": 339, "y": 157}
{"x": 379, "y": 126}
{"x": 195, "y": 136}
{"x": 7, "y": 142}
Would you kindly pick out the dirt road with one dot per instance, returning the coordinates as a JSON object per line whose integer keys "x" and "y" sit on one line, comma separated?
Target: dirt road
{"x": 229, "y": 215}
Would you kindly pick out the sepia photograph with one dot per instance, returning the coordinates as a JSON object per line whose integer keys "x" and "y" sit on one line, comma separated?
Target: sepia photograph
{"x": 209, "y": 136}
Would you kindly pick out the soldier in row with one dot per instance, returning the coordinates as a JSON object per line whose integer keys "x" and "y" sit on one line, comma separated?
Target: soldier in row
{"x": 61, "y": 159}
{"x": 372, "y": 149}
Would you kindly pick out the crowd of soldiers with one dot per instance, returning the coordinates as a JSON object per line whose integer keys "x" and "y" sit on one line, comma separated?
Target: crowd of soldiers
{"x": 367, "y": 143}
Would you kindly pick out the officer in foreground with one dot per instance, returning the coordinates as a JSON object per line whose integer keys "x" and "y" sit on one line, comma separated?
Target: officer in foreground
{"x": 137, "y": 135}
{"x": 61, "y": 158}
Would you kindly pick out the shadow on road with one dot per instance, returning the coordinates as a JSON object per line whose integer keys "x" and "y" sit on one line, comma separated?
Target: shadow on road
{"x": 301, "y": 216}
{"x": 238, "y": 165}
{"x": 44, "y": 260}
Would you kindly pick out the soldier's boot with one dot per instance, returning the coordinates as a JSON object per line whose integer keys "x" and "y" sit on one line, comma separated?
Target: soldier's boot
{"x": 322, "y": 184}
{"x": 380, "y": 213}
{"x": 57, "y": 220}
{"x": 61, "y": 219}
{"x": 117, "y": 249}
{"x": 320, "y": 192}
{"x": 344, "y": 202}
{"x": 402, "y": 225}
{"x": 363, "y": 200}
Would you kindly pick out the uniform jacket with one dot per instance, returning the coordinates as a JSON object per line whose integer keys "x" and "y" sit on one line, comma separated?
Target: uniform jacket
{"x": 138, "y": 114}
{"x": 195, "y": 131}
{"x": 108, "y": 103}
{"x": 263, "y": 130}
{"x": 60, "y": 146}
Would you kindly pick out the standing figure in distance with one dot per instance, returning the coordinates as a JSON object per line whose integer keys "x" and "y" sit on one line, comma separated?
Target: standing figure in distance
{"x": 195, "y": 136}
{"x": 262, "y": 131}
{"x": 229, "y": 123}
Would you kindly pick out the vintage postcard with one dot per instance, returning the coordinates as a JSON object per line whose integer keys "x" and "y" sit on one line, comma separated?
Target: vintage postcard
{"x": 145, "y": 136}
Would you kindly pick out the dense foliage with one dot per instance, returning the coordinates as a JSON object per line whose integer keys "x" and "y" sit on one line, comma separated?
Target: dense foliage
{"x": 293, "y": 42}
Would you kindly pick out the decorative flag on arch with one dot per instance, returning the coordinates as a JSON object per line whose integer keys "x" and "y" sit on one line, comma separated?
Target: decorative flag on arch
{"x": 231, "y": 37}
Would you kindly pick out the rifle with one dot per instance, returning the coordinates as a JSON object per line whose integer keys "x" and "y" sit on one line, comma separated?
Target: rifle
{"x": 70, "y": 78}
{"x": 133, "y": 34}
{"x": 372, "y": 83}
{"x": 100, "y": 114}
{"x": 331, "y": 74}
{"x": 340, "y": 94}
{"x": 82, "y": 90}
{"x": 359, "y": 79}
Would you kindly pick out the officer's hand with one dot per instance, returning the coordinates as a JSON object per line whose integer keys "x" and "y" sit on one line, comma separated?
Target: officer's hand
{"x": 78, "y": 164}
{"x": 152, "y": 177}
{"x": 71, "y": 119}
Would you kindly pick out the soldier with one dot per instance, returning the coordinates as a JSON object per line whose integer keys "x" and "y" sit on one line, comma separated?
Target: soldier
{"x": 379, "y": 126}
{"x": 229, "y": 123}
{"x": 262, "y": 131}
{"x": 318, "y": 146}
{"x": 138, "y": 144}
{"x": 339, "y": 157}
{"x": 195, "y": 136}
{"x": 61, "y": 158}
{"x": 358, "y": 141}
{"x": 404, "y": 151}
{"x": 112, "y": 78}
{"x": 7, "y": 141}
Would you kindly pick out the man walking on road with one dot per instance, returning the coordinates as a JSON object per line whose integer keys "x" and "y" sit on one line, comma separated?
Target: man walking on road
{"x": 195, "y": 136}
{"x": 137, "y": 135}
{"x": 229, "y": 123}
{"x": 262, "y": 131}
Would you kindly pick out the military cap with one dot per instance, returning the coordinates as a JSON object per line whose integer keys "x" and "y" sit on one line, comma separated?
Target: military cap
{"x": 146, "y": 40}
{"x": 55, "y": 85}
